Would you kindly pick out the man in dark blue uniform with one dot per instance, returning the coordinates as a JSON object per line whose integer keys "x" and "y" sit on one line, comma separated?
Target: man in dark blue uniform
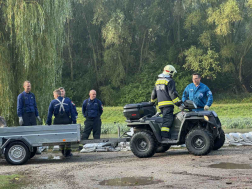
{"x": 27, "y": 107}
{"x": 92, "y": 110}
{"x": 63, "y": 94}
{"x": 62, "y": 110}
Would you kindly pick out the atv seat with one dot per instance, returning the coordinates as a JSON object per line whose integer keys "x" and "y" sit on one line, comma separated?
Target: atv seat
{"x": 156, "y": 119}
{"x": 198, "y": 114}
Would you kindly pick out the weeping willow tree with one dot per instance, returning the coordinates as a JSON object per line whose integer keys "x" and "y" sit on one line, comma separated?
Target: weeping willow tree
{"x": 31, "y": 44}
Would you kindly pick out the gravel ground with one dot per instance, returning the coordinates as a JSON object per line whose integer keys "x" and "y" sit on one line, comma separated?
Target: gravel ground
{"x": 174, "y": 169}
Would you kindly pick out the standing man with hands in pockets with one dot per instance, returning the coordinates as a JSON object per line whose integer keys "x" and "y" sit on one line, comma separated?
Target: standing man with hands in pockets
{"x": 27, "y": 107}
{"x": 92, "y": 110}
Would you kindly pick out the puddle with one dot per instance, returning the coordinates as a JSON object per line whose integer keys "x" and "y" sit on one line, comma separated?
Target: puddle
{"x": 224, "y": 165}
{"x": 130, "y": 181}
{"x": 50, "y": 157}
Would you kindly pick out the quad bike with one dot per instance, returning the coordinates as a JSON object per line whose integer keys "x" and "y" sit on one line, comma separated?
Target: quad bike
{"x": 200, "y": 131}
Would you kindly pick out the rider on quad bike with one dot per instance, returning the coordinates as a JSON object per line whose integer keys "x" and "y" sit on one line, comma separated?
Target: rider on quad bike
{"x": 167, "y": 96}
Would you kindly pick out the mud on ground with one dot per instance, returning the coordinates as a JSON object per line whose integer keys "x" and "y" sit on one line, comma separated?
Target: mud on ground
{"x": 175, "y": 168}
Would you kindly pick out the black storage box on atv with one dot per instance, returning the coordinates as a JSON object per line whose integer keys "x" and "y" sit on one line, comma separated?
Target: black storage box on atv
{"x": 137, "y": 111}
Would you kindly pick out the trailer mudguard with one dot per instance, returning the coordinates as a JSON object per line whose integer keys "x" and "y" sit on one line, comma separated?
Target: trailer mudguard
{"x": 5, "y": 143}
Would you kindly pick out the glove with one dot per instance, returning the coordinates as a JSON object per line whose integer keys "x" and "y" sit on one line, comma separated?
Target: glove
{"x": 179, "y": 103}
{"x": 152, "y": 103}
{"x": 20, "y": 121}
{"x": 39, "y": 119}
{"x": 182, "y": 107}
{"x": 76, "y": 117}
{"x": 206, "y": 107}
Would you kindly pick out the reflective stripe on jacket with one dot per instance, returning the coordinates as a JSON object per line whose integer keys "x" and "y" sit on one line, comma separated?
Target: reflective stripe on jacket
{"x": 165, "y": 92}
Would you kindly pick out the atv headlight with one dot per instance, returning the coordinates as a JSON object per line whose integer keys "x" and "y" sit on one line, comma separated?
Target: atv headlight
{"x": 206, "y": 118}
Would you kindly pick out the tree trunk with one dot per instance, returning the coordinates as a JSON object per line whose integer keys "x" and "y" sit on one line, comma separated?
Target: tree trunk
{"x": 141, "y": 55}
{"x": 240, "y": 75}
{"x": 69, "y": 50}
{"x": 93, "y": 49}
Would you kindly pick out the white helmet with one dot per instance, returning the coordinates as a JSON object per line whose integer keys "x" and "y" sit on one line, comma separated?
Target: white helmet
{"x": 169, "y": 70}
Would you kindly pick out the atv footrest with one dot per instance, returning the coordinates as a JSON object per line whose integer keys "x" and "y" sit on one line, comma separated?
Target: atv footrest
{"x": 169, "y": 141}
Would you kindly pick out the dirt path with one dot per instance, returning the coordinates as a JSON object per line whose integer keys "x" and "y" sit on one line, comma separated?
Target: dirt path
{"x": 173, "y": 169}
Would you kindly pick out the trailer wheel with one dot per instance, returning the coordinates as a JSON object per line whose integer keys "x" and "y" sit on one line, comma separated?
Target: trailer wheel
{"x": 162, "y": 149}
{"x": 17, "y": 153}
{"x": 143, "y": 144}
{"x": 33, "y": 153}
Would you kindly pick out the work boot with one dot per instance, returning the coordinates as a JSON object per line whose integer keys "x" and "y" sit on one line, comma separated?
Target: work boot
{"x": 68, "y": 153}
{"x": 80, "y": 147}
{"x": 63, "y": 152}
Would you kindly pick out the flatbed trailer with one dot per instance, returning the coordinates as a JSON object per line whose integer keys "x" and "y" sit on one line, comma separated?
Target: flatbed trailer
{"x": 19, "y": 144}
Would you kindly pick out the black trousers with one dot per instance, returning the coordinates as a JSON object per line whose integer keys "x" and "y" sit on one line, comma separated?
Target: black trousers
{"x": 62, "y": 119}
{"x": 29, "y": 119}
{"x": 167, "y": 120}
{"x": 92, "y": 124}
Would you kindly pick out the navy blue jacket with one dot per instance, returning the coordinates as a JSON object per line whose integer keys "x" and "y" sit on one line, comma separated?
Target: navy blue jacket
{"x": 200, "y": 95}
{"x": 54, "y": 108}
{"x": 74, "y": 107}
{"x": 92, "y": 108}
{"x": 26, "y": 102}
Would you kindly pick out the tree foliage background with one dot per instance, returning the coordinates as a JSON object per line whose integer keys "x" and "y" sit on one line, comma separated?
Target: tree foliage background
{"x": 119, "y": 47}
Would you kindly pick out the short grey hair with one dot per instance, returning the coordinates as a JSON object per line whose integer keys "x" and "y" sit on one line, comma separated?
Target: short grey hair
{"x": 57, "y": 91}
{"x": 61, "y": 88}
{"x": 26, "y": 82}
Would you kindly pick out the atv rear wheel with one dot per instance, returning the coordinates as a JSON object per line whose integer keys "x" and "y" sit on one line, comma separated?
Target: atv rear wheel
{"x": 143, "y": 144}
{"x": 199, "y": 142}
{"x": 162, "y": 149}
{"x": 218, "y": 142}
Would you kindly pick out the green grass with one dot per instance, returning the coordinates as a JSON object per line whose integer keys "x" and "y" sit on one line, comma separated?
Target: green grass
{"x": 112, "y": 117}
{"x": 228, "y": 98}
{"x": 232, "y": 116}
{"x": 11, "y": 181}
{"x": 233, "y": 110}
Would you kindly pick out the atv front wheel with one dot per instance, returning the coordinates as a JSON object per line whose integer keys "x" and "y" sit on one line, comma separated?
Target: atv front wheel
{"x": 199, "y": 142}
{"x": 143, "y": 144}
{"x": 162, "y": 149}
{"x": 218, "y": 142}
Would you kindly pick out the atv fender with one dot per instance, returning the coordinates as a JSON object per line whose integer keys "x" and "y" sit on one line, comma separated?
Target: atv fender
{"x": 148, "y": 125}
{"x": 210, "y": 124}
